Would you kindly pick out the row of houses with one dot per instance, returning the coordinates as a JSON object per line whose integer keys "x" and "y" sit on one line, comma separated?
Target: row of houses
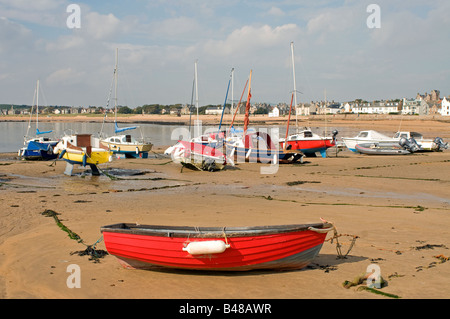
{"x": 416, "y": 106}
{"x": 55, "y": 110}
{"x": 428, "y": 104}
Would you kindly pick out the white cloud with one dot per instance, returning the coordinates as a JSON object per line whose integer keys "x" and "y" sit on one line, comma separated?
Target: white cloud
{"x": 251, "y": 39}
{"x": 67, "y": 42}
{"x": 275, "y": 11}
{"x": 330, "y": 23}
{"x": 100, "y": 27}
{"x": 64, "y": 76}
{"x": 35, "y": 5}
{"x": 13, "y": 36}
{"x": 42, "y": 12}
{"x": 158, "y": 47}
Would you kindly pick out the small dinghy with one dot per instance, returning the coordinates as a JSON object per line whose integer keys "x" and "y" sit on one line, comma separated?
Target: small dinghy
{"x": 380, "y": 148}
{"x": 215, "y": 248}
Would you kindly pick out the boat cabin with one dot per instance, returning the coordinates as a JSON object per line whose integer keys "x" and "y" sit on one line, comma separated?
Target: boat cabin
{"x": 121, "y": 139}
{"x": 370, "y": 134}
{"x": 407, "y": 135}
{"x": 301, "y": 135}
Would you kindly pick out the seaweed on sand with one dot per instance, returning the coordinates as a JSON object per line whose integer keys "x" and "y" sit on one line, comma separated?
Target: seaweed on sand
{"x": 95, "y": 254}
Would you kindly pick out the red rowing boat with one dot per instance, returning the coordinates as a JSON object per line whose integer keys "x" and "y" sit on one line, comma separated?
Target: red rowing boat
{"x": 215, "y": 248}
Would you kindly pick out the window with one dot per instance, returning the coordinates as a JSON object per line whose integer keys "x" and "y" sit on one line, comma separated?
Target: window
{"x": 363, "y": 134}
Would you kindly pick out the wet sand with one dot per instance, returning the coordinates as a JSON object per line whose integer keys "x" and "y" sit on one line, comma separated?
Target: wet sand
{"x": 398, "y": 206}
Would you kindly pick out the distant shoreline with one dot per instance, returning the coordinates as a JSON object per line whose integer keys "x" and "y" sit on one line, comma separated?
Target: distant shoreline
{"x": 215, "y": 119}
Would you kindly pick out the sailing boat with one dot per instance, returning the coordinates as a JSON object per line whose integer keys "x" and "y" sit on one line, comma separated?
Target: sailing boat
{"x": 201, "y": 152}
{"x": 125, "y": 144}
{"x": 258, "y": 147}
{"x": 82, "y": 149}
{"x": 305, "y": 140}
{"x": 40, "y": 147}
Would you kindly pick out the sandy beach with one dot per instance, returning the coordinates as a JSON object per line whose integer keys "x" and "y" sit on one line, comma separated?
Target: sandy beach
{"x": 398, "y": 206}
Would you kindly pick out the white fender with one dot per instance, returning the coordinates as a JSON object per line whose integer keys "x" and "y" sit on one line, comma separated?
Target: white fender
{"x": 179, "y": 152}
{"x": 169, "y": 150}
{"x": 206, "y": 247}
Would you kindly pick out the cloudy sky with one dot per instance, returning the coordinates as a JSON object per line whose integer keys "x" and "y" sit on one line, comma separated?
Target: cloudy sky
{"x": 159, "y": 41}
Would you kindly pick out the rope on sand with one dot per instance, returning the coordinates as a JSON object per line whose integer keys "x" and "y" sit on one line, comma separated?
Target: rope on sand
{"x": 90, "y": 249}
{"x": 339, "y": 245}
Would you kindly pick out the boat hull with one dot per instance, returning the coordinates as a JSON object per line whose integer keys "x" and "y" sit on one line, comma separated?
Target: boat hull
{"x": 38, "y": 151}
{"x": 129, "y": 150}
{"x": 381, "y": 149}
{"x": 351, "y": 143}
{"x": 277, "y": 247}
{"x": 197, "y": 156}
{"x": 309, "y": 147}
{"x": 80, "y": 158}
{"x": 254, "y": 155}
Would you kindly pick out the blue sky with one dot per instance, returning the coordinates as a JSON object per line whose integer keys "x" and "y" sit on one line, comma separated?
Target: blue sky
{"x": 159, "y": 41}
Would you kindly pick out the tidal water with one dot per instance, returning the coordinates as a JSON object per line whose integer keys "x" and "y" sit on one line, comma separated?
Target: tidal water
{"x": 12, "y": 134}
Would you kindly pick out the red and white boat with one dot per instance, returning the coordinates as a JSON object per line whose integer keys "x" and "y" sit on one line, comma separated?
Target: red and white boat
{"x": 215, "y": 248}
{"x": 198, "y": 156}
{"x": 305, "y": 140}
{"x": 308, "y": 142}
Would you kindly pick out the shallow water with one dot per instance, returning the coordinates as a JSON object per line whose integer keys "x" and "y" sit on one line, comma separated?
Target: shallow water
{"x": 13, "y": 133}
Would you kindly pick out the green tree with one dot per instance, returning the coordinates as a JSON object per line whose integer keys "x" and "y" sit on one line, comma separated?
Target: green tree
{"x": 124, "y": 110}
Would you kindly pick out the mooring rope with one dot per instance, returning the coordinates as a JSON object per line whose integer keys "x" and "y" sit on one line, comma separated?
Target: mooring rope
{"x": 339, "y": 245}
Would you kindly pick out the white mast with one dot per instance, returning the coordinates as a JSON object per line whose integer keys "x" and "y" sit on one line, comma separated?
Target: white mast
{"x": 232, "y": 91}
{"x": 295, "y": 85}
{"x": 116, "y": 75}
{"x": 196, "y": 87}
{"x": 37, "y": 106}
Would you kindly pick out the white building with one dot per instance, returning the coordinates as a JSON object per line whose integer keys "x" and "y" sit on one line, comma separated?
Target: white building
{"x": 415, "y": 106}
{"x": 445, "y": 107}
{"x": 302, "y": 110}
{"x": 216, "y": 110}
{"x": 275, "y": 112}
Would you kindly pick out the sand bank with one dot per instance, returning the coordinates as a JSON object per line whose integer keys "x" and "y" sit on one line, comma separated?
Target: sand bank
{"x": 399, "y": 206}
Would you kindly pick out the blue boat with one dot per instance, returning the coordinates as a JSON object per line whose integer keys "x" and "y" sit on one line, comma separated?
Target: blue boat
{"x": 39, "y": 147}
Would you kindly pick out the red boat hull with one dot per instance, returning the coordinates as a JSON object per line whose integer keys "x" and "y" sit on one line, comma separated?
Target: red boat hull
{"x": 283, "y": 250}
{"x": 309, "y": 146}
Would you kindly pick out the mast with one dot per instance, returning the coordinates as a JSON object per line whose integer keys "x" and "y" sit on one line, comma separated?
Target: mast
{"x": 225, "y": 103}
{"x": 289, "y": 120}
{"x": 116, "y": 76}
{"x": 295, "y": 84}
{"x": 238, "y": 105}
{"x": 247, "y": 107}
{"x": 326, "y": 106}
{"x": 37, "y": 106}
{"x": 232, "y": 91}
{"x": 196, "y": 87}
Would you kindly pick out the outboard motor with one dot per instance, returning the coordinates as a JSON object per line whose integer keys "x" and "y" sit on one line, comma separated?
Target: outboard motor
{"x": 409, "y": 144}
{"x": 335, "y": 132}
{"x": 440, "y": 144}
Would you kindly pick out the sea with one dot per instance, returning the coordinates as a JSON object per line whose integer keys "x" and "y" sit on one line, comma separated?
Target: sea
{"x": 13, "y": 134}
